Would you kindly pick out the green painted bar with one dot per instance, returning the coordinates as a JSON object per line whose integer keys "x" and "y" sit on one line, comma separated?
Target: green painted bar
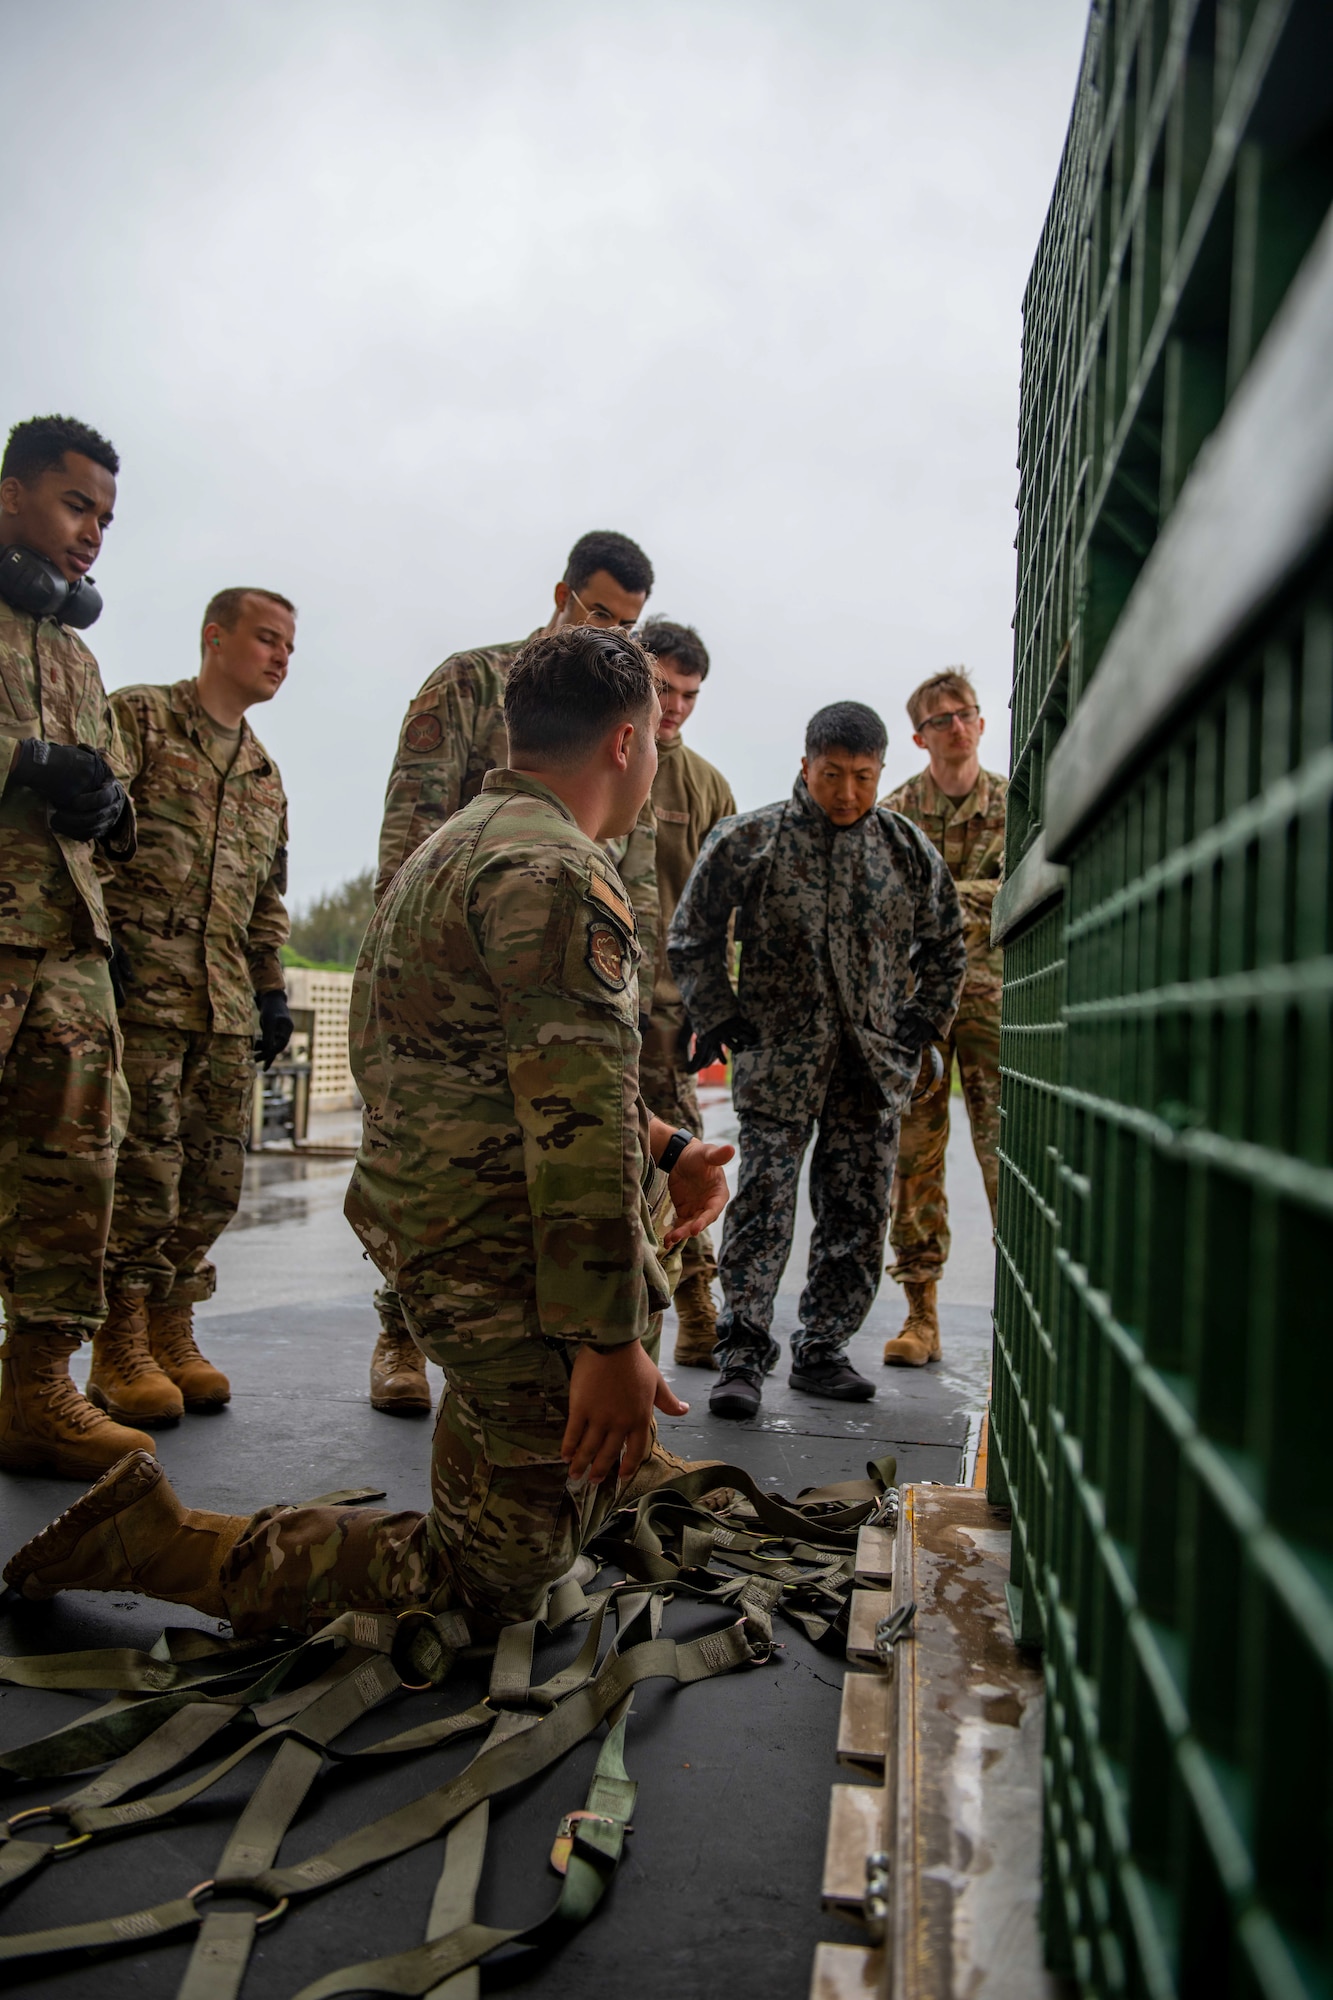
{"x": 1163, "y": 1363}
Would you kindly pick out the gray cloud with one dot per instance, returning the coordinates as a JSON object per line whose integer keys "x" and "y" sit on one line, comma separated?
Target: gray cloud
{"x": 384, "y": 306}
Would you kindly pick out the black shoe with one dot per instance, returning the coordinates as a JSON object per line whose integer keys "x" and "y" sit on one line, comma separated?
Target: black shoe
{"x": 738, "y": 1394}
{"x": 834, "y": 1377}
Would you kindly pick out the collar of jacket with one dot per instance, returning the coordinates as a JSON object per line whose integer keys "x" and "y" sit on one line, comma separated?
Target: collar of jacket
{"x": 975, "y": 804}
{"x": 187, "y": 705}
{"x": 505, "y": 780}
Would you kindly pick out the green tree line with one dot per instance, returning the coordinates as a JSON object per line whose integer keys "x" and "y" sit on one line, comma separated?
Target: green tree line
{"x": 327, "y": 932}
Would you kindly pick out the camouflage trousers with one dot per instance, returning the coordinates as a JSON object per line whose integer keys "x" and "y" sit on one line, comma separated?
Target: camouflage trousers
{"x": 62, "y": 1111}
{"x": 919, "y": 1225}
{"x": 850, "y": 1173}
{"x": 178, "y": 1178}
{"x": 502, "y": 1525}
{"x": 668, "y": 1089}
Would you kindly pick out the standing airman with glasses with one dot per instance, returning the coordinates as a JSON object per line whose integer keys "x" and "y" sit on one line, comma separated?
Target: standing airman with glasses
{"x": 960, "y": 807}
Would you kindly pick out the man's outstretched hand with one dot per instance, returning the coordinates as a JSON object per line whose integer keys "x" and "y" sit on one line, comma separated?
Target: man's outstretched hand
{"x": 613, "y": 1392}
{"x": 698, "y": 1189}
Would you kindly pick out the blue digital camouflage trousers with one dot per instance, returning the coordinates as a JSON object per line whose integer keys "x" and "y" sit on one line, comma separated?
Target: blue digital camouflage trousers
{"x": 851, "y": 1172}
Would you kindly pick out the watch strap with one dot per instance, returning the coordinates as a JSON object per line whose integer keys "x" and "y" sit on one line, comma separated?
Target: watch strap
{"x": 675, "y": 1146}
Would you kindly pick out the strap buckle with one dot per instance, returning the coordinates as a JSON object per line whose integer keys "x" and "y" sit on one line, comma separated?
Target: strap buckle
{"x": 563, "y": 1846}
{"x": 262, "y": 1923}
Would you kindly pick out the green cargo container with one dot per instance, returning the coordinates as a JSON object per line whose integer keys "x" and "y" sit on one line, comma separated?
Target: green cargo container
{"x": 1163, "y": 1378}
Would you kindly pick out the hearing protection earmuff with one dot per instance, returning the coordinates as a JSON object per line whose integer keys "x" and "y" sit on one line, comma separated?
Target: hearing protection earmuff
{"x": 32, "y": 584}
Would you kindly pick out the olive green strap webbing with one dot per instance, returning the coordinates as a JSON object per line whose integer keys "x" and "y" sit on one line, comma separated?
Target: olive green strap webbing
{"x": 595, "y": 1838}
{"x": 180, "y": 1737}
{"x": 336, "y": 1709}
{"x": 530, "y": 1744}
{"x": 497, "y": 1769}
{"x": 454, "y": 1903}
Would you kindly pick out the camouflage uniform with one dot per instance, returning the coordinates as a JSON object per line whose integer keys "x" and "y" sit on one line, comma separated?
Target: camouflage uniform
{"x": 62, "y": 1097}
{"x": 502, "y": 1188}
{"x": 199, "y": 910}
{"x": 689, "y": 798}
{"x": 851, "y": 957}
{"x": 970, "y": 836}
{"x": 452, "y": 735}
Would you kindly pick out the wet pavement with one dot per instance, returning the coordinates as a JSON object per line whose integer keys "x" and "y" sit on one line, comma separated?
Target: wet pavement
{"x": 720, "y": 1887}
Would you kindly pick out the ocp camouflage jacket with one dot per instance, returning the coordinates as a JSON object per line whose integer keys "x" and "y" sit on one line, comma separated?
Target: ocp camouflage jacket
{"x": 452, "y": 735}
{"x": 494, "y": 1040}
{"x": 50, "y": 687}
{"x": 969, "y": 833}
{"x": 843, "y": 931}
{"x": 199, "y": 909}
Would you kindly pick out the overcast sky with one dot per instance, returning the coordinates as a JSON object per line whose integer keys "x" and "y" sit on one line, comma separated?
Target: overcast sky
{"x": 383, "y": 305}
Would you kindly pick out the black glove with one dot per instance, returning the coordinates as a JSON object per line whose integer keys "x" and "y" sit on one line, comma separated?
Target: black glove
{"x": 121, "y": 967}
{"x": 88, "y": 799}
{"x": 93, "y": 815}
{"x": 60, "y": 772}
{"x": 275, "y": 1026}
{"x": 735, "y": 1034}
{"x": 913, "y": 1030}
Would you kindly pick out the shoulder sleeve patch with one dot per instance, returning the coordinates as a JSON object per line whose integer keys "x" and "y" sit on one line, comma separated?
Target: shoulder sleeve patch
{"x": 608, "y": 958}
{"x": 423, "y": 733}
{"x": 602, "y": 892}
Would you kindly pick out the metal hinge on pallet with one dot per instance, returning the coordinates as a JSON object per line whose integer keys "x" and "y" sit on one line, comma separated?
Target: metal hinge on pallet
{"x": 875, "y": 1902}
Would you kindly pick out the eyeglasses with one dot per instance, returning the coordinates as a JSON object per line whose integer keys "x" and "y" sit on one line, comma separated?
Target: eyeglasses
{"x": 598, "y": 615}
{"x": 964, "y": 715}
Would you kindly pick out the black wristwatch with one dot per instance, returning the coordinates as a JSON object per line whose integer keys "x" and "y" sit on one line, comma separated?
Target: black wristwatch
{"x": 674, "y": 1147}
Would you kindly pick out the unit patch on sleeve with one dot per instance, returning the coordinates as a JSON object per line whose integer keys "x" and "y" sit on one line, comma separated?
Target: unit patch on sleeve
{"x": 423, "y": 733}
{"x": 606, "y": 956}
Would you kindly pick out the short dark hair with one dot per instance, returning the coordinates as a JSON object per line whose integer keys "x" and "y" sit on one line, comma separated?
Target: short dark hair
{"x": 666, "y": 640}
{"x": 846, "y": 725}
{"x": 39, "y": 445}
{"x": 567, "y": 688}
{"x": 224, "y": 607}
{"x": 616, "y": 554}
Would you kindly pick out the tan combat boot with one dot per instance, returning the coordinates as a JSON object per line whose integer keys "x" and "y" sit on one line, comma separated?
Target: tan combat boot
{"x": 696, "y": 1322}
{"x": 124, "y": 1378}
{"x": 172, "y": 1344}
{"x": 398, "y": 1376}
{"x": 659, "y": 1469}
{"x": 918, "y": 1339}
{"x": 45, "y": 1424}
{"x": 130, "y": 1532}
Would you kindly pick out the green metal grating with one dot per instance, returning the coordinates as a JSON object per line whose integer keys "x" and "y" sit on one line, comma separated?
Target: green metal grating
{"x": 1196, "y": 174}
{"x": 1163, "y": 1378}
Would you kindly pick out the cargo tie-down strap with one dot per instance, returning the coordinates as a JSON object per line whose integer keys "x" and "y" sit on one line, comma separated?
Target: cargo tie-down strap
{"x": 752, "y": 1556}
